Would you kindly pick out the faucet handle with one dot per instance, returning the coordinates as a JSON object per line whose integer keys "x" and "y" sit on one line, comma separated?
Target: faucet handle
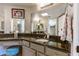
{"x": 45, "y": 36}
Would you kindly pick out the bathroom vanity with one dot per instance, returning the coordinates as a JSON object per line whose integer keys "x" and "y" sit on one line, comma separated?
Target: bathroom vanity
{"x": 36, "y": 44}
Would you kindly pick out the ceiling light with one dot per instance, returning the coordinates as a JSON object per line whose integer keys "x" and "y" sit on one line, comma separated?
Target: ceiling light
{"x": 44, "y": 14}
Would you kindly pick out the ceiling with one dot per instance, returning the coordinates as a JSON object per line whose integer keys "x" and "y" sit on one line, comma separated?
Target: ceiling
{"x": 55, "y": 11}
{"x": 18, "y": 4}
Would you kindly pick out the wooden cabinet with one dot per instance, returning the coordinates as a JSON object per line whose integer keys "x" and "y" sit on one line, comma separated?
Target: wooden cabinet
{"x": 25, "y": 43}
{"x": 50, "y": 52}
{"x": 34, "y": 48}
{"x": 37, "y": 47}
{"x": 53, "y": 52}
{"x": 27, "y": 51}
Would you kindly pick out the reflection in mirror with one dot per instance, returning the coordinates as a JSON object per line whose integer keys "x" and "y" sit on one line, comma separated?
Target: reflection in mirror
{"x": 39, "y": 23}
{"x": 52, "y": 23}
{"x": 17, "y": 25}
{"x": 44, "y": 24}
{"x": 48, "y": 17}
{"x": 20, "y": 25}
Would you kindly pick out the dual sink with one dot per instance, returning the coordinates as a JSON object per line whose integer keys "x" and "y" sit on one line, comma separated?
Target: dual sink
{"x": 46, "y": 41}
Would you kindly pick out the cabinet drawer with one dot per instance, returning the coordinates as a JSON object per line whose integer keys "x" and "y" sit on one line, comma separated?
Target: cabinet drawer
{"x": 37, "y": 47}
{"x": 53, "y": 52}
{"x": 33, "y": 46}
{"x": 40, "y": 54}
{"x": 26, "y": 43}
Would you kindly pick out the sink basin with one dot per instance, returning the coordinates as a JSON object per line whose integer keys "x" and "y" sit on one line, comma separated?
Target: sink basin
{"x": 41, "y": 40}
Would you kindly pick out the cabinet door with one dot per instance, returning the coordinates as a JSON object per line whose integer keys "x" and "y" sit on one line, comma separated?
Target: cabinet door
{"x": 37, "y": 47}
{"x": 50, "y": 52}
{"x": 28, "y": 52}
{"x": 25, "y": 43}
{"x": 53, "y": 52}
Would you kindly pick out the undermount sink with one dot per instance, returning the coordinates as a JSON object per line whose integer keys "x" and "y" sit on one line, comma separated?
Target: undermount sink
{"x": 41, "y": 40}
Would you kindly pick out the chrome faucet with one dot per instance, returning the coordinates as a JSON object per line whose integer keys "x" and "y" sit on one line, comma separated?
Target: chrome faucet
{"x": 47, "y": 36}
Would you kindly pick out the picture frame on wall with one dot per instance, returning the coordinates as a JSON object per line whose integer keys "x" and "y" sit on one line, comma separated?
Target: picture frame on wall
{"x": 18, "y": 13}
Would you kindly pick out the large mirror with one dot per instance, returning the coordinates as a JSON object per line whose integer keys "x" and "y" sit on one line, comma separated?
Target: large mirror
{"x": 44, "y": 24}
{"x": 52, "y": 26}
{"x": 46, "y": 20}
{"x": 17, "y": 25}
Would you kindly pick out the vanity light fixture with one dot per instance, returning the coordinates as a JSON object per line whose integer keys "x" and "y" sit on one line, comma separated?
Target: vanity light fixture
{"x": 44, "y": 14}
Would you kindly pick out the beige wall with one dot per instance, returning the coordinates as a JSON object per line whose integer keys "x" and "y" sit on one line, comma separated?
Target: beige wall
{"x": 5, "y": 14}
{"x": 1, "y": 16}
